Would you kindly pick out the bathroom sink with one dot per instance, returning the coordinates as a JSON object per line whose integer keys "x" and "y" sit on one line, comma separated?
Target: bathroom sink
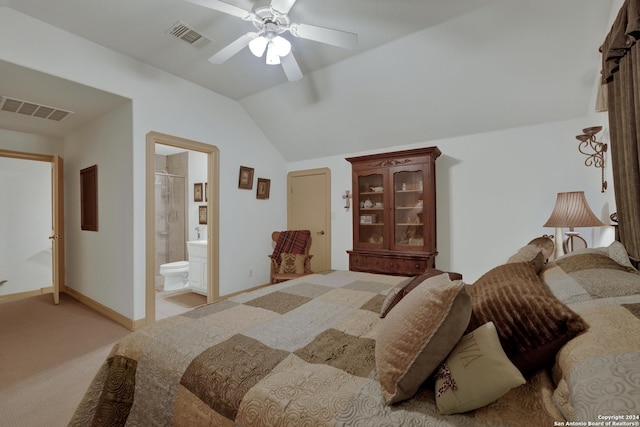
{"x": 197, "y": 248}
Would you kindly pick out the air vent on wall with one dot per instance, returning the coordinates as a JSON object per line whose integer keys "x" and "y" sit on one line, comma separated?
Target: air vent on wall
{"x": 187, "y": 34}
{"x": 33, "y": 109}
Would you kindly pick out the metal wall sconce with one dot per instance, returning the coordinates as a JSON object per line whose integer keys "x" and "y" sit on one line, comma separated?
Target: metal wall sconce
{"x": 347, "y": 198}
{"x": 596, "y": 156}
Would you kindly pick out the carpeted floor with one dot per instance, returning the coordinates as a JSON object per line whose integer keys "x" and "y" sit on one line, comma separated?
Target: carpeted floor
{"x": 48, "y": 356}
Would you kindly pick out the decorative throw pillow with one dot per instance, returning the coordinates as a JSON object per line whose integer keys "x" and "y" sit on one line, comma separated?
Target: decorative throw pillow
{"x": 416, "y": 336}
{"x": 616, "y": 251}
{"x": 531, "y": 322}
{"x": 476, "y": 372}
{"x": 529, "y": 253}
{"x": 291, "y": 263}
{"x": 401, "y": 290}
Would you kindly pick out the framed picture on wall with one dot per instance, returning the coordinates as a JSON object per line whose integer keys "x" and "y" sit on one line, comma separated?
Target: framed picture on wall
{"x": 202, "y": 214}
{"x": 264, "y": 185}
{"x": 197, "y": 192}
{"x": 206, "y": 191}
{"x": 89, "y": 198}
{"x": 245, "y": 180}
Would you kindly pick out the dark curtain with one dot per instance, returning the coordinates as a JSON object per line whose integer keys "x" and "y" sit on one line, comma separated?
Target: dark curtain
{"x": 621, "y": 76}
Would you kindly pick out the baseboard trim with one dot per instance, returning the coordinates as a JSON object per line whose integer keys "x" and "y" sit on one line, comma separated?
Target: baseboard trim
{"x": 19, "y": 295}
{"x": 233, "y": 294}
{"x": 130, "y": 324}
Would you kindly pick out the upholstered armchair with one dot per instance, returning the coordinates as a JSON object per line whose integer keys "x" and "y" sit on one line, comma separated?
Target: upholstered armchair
{"x": 290, "y": 257}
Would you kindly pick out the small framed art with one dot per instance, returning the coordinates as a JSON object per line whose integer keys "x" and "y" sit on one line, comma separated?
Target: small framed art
{"x": 264, "y": 185}
{"x": 89, "y": 198}
{"x": 202, "y": 214}
{"x": 245, "y": 180}
{"x": 197, "y": 192}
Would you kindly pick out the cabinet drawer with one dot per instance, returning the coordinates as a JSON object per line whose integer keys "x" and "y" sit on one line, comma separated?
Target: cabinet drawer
{"x": 389, "y": 264}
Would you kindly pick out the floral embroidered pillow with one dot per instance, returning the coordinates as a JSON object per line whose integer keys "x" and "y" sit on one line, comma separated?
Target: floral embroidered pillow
{"x": 476, "y": 372}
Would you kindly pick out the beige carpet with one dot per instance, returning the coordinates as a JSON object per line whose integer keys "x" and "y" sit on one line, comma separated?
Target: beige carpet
{"x": 48, "y": 356}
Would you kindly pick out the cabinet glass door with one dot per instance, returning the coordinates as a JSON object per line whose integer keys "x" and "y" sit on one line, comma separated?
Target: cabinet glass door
{"x": 370, "y": 201}
{"x": 408, "y": 188}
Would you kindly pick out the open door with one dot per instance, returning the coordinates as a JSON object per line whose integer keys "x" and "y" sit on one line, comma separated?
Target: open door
{"x": 57, "y": 227}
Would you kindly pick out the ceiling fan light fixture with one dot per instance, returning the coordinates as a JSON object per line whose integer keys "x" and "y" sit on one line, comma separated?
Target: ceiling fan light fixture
{"x": 282, "y": 46}
{"x": 258, "y": 45}
{"x": 272, "y": 55}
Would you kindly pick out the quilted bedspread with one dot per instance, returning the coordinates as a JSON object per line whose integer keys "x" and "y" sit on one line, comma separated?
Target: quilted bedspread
{"x": 598, "y": 372}
{"x": 299, "y": 353}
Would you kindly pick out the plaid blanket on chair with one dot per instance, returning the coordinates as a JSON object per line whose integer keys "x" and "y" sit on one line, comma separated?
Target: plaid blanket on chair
{"x": 292, "y": 242}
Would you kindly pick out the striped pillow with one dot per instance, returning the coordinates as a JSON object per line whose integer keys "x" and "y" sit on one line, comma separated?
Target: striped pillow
{"x": 531, "y": 322}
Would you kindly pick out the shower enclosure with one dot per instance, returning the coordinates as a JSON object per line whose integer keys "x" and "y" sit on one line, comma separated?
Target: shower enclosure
{"x": 171, "y": 206}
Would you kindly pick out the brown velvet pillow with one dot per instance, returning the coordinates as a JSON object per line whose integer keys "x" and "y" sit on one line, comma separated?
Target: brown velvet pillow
{"x": 418, "y": 334}
{"x": 531, "y": 322}
{"x": 401, "y": 290}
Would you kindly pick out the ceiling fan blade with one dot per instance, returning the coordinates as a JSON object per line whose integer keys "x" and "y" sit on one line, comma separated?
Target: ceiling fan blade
{"x": 231, "y": 49}
{"x": 282, "y": 6}
{"x": 225, "y": 7}
{"x": 291, "y": 68}
{"x": 325, "y": 35}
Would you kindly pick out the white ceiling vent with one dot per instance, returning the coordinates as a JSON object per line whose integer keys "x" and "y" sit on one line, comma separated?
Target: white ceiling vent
{"x": 187, "y": 34}
{"x": 28, "y": 108}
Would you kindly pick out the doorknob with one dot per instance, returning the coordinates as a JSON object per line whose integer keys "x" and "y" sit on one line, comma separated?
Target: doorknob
{"x": 320, "y": 233}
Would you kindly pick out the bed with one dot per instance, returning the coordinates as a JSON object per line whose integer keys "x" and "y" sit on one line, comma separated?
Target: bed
{"x": 315, "y": 351}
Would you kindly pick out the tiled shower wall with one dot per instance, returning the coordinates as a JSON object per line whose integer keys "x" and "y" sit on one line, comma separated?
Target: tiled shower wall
{"x": 171, "y": 208}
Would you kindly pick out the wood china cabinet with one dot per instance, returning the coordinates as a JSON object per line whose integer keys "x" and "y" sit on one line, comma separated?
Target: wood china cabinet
{"x": 394, "y": 212}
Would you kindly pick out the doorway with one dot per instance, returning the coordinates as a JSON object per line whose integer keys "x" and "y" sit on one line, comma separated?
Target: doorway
{"x": 211, "y": 198}
{"x": 309, "y": 208}
{"x": 54, "y": 258}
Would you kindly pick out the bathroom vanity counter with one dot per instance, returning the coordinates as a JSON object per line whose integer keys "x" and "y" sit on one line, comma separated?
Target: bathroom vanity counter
{"x": 197, "y": 266}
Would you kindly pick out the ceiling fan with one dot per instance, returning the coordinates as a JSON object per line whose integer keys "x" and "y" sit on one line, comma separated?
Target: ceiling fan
{"x": 270, "y": 22}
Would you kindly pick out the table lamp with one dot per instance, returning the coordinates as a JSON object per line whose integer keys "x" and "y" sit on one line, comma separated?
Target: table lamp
{"x": 571, "y": 210}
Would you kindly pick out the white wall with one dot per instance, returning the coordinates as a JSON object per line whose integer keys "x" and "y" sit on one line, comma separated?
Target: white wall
{"x": 197, "y": 174}
{"x": 30, "y": 143}
{"x": 163, "y": 103}
{"x": 494, "y": 193}
{"x": 99, "y": 263}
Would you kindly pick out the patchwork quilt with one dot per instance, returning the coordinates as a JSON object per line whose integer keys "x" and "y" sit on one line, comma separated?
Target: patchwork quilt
{"x": 598, "y": 372}
{"x": 299, "y": 353}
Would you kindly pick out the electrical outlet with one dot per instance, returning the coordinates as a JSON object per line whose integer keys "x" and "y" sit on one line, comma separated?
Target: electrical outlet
{"x": 251, "y": 272}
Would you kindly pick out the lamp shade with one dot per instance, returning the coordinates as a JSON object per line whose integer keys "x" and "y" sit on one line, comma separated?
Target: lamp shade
{"x": 572, "y": 210}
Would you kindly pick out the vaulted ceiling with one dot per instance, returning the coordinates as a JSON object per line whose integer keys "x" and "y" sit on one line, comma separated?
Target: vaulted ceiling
{"x": 422, "y": 70}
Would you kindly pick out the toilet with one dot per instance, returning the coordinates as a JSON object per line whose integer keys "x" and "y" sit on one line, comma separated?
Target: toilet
{"x": 176, "y": 275}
